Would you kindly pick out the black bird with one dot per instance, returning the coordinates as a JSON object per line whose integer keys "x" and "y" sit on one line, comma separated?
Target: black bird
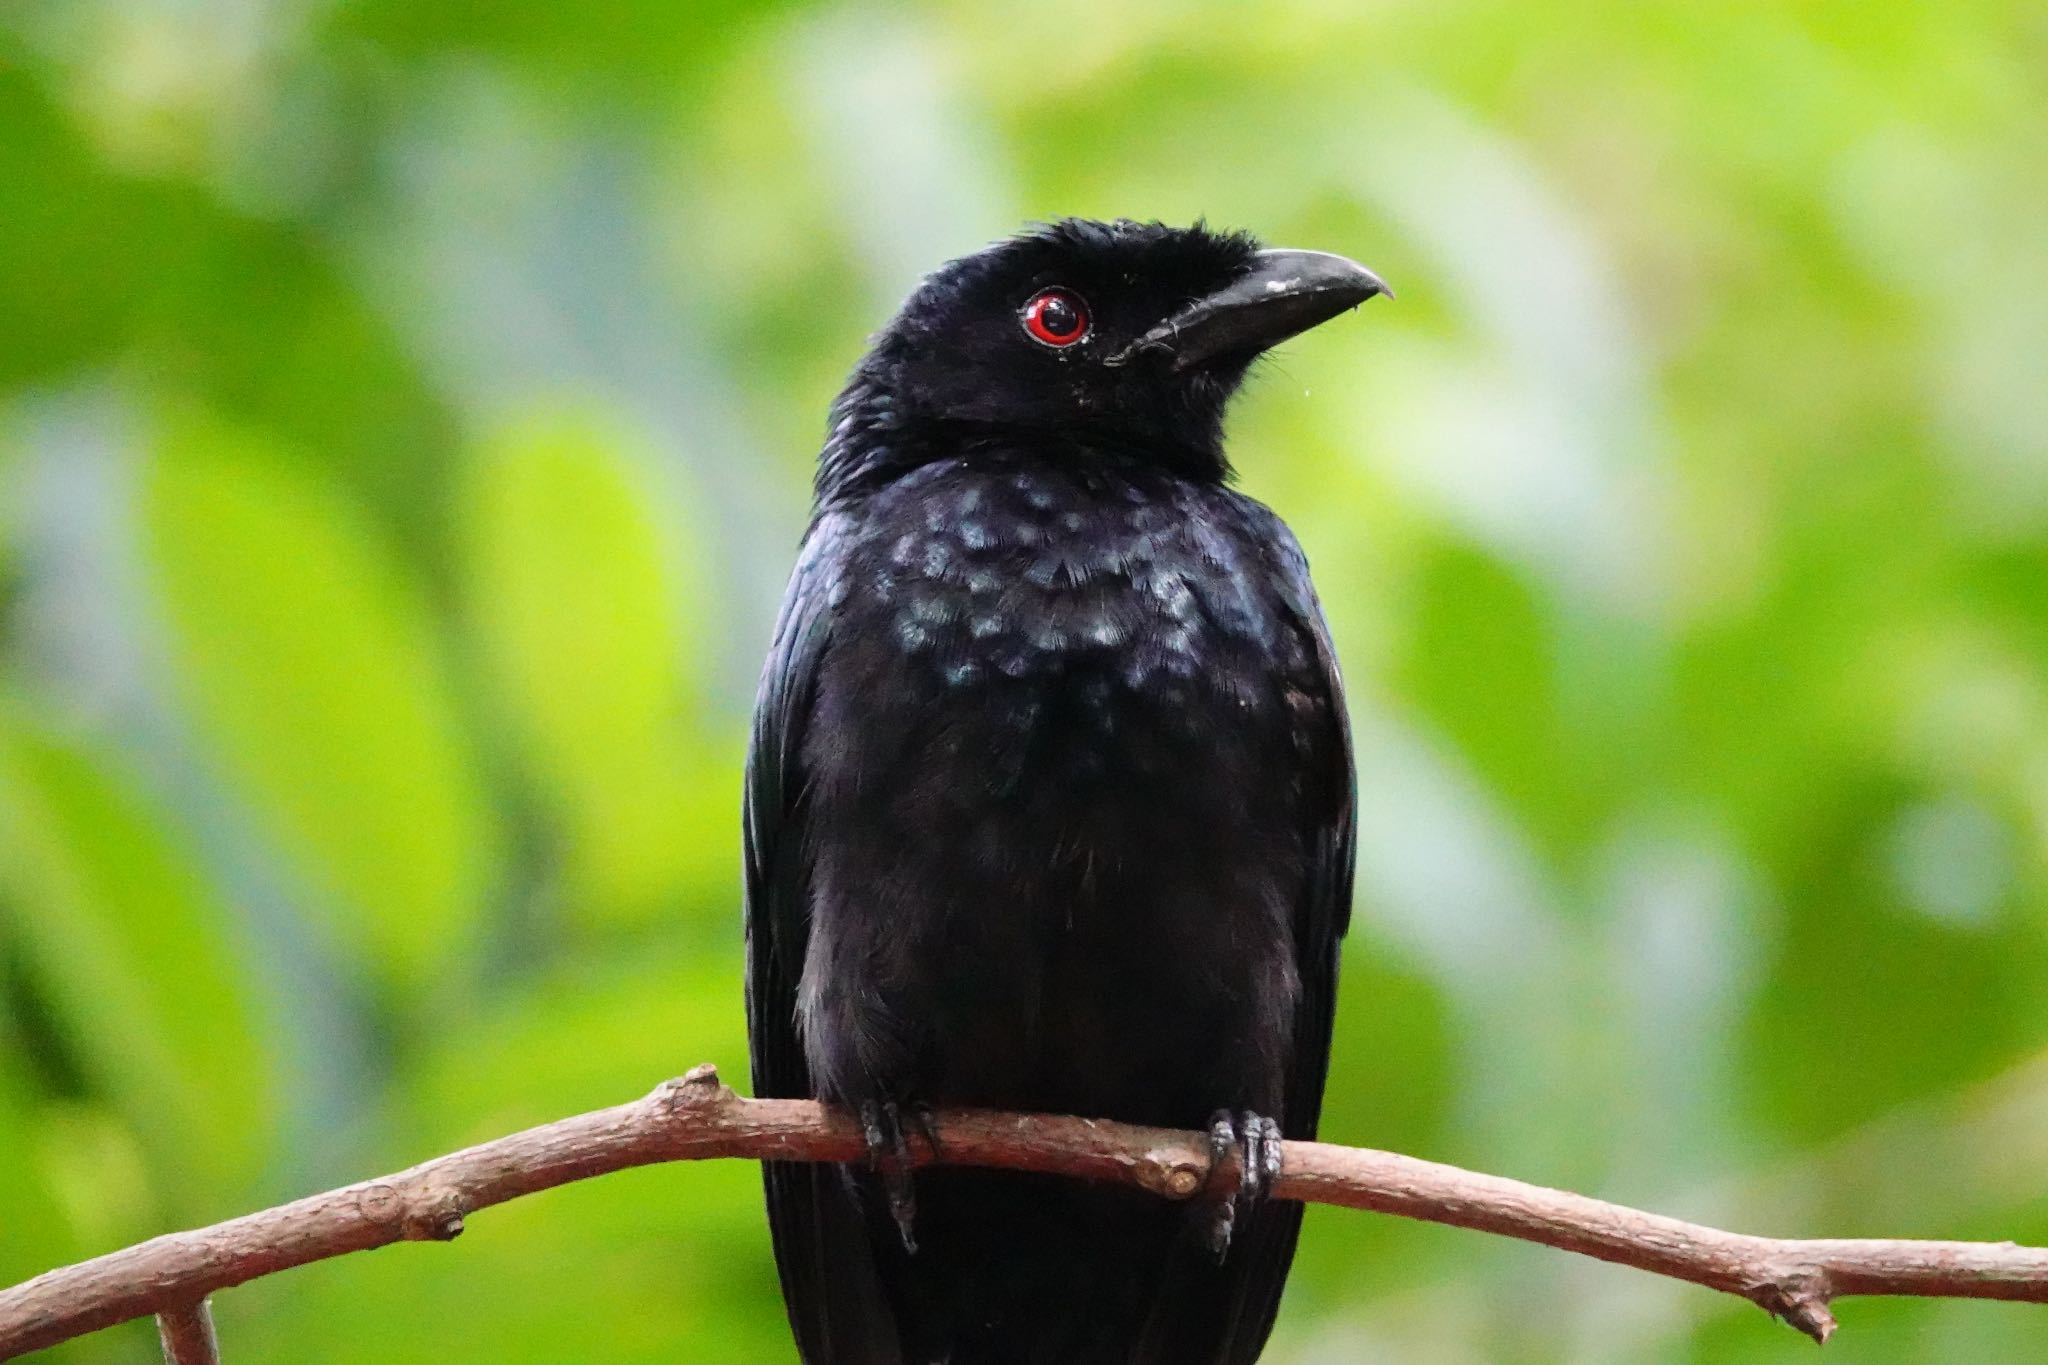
{"x": 1050, "y": 806}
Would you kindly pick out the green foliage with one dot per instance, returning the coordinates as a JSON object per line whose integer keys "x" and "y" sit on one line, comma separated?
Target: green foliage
{"x": 583, "y": 619}
{"x": 308, "y": 660}
{"x": 146, "y": 1000}
{"x": 405, "y": 414}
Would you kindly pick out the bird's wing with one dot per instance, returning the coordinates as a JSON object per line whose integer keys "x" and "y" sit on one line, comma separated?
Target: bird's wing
{"x": 1245, "y": 1297}
{"x": 1325, "y": 910}
{"x": 822, "y": 1250}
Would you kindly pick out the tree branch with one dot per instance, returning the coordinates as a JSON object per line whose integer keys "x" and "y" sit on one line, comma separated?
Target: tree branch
{"x": 696, "y": 1117}
{"x": 187, "y": 1335}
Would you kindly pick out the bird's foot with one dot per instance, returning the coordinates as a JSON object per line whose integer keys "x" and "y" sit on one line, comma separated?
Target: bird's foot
{"x": 919, "y": 1115}
{"x": 889, "y": 1157}
{"x": 1244, "y": 1157}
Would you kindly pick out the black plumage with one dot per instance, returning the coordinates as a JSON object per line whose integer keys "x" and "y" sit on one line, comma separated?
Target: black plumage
{"x": 1050, "y": 803}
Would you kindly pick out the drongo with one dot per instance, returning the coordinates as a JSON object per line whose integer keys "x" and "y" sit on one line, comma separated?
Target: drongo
{"x": 1049, "y": 806}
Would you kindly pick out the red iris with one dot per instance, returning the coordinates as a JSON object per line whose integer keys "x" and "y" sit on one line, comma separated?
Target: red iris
{"x": 1056, "y": 317}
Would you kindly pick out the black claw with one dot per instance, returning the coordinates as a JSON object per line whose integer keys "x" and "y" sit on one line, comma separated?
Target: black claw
{"x": 871, "y": 1133}
{"x": 1221, "y": 1223}
{"x": 890, "y": 1158}
{"x": 901, "y": 1145}
{"x": 1244, "y": 1159}
{"x": 921, "y": 1121}
{"x": 1222, "y": 1134}
{"x": 1218, "y": 1211}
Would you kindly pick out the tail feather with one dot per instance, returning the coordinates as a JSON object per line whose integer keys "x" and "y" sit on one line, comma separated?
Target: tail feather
{"x": 837, "y": 1308}
{"x": 1017, "y": 1269}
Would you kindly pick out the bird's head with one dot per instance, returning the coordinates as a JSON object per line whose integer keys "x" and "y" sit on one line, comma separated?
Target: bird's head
{"x": 1080, "y": 334}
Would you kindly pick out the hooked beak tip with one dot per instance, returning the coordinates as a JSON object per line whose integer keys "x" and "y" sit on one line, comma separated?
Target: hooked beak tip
{"x": 1282, "y": 295}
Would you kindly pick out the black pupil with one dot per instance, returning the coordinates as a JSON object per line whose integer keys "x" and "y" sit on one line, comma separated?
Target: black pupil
{"x": 1058, "y": 316}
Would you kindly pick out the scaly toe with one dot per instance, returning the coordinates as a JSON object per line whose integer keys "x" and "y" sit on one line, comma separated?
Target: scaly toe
{"x": 1227, "y": 1169}
{"x": 890, "y": 1158}
{"x": 1270, "y": 1150}
{"x": 1251, "y": 1132}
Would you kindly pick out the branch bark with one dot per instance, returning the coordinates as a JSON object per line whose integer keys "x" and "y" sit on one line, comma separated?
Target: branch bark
{"x": 187, "y": 1335}
{"x": 696, "y": 1117}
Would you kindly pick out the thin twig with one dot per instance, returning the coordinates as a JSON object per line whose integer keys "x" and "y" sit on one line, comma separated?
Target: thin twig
{"x": 696, "y": 1117}
{"x": 187, "y": 1334}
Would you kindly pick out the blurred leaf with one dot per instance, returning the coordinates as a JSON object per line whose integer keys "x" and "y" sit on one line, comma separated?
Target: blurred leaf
{"x": 1907, "y": 1005}
{"x": 307, "y": 657}
{"x": 259, "y": 322}
{"x": 80, "y": 272}
{"x": 136, "y": 960}
{"x": 257, "y": 316}
{"x": 37, "y": 1237}
{"x": 97, "y": 1166}
{"x": 1483, "y": 665}
{"x": 574, "y": 588}
{"x": 644, "y": 41}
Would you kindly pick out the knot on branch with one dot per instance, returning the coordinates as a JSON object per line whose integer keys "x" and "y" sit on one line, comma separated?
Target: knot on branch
{"x": 1173, "y": 1172}
{"x": 696, "y": 1089}
{"x": 436, "y": 1220}
{"x": 1170, "y": 1171}
{"x": 1799, "y": 1298}
{"x": 424, "y": 1216}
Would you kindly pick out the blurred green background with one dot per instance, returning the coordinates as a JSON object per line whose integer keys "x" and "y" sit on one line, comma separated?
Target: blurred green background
{"x": 406, "y": 413}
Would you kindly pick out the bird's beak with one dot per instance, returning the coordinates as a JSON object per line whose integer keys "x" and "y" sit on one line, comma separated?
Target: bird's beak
{"x": 1284, "y": 294}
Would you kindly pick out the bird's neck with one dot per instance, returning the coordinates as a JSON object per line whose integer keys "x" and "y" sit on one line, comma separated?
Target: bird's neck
{"x": 874, "y": 440}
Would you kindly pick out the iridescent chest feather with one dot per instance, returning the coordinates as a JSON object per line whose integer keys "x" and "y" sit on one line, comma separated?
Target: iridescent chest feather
{"x": 1093, "y": 620}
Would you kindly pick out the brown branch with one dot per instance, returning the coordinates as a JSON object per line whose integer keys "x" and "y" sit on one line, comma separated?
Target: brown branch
{"x": 187, "y": 1335}
{"x": 696, "y": 1117}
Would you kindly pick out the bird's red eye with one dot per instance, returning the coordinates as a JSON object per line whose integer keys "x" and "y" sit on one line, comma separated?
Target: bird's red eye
{"x": 1056, "y": 317}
